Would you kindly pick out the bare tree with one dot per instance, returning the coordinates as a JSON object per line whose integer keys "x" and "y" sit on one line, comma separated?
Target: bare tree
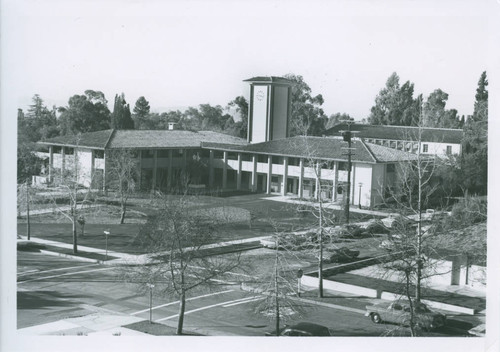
{"x": 175, "y": 240}
{"x": 71, "y": 195}
{"x": 279, "y": 285}
{"x": 124, "y": 175}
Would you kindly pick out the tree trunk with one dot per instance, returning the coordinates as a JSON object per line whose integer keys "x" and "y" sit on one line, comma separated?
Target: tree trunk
{"x": 320, "y": 262}
{"x": 182, "y": 308}
{"x": 28, "y": 227}
{"x": 412, "y": 311}
{"x": 75, "y": 245}
{"x": 276, "y": 294}
{"x": 122, "y": 217}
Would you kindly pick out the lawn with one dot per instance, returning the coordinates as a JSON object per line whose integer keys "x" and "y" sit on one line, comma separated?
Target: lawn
{"x": 241, "y": 217}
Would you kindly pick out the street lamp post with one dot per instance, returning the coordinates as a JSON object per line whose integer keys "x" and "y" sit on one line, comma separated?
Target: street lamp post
{"x": 106, "y": 234}
{"x": 300, "y": 273}
{"x": 347, "y": 137}
{"x": 151, "y": 286}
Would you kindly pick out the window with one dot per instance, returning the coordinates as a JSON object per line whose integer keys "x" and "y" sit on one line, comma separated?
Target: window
{"x": 277, "y": 160}
{"x": 145, "y": 154}
{"x": 397, "y": 306}
{"x": 343, "y": 166}
{"x": 391, "y": 168}
{"x": 262, "y": 159}
{"x": 99, "y": 154}
{"x": 162, "y": 153}
{"x": 448, "y": 149}
{"x": 69, "y": 151}
{"x": 426, "y": 148}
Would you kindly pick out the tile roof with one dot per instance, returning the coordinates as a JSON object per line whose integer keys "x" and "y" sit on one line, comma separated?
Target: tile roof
{"x": 440, "y": 135}
{"x": 149, "y": 139}
{"x": 318, "y": 148}
{"x": 97, "y": 139}
{"x": 168, "y": 139}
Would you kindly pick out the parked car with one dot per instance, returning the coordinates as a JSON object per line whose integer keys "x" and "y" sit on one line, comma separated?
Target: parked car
{"x": 302, "y": 329}
{"x": 479, "y": 330}
{"x": 398, "y": 312}
{"x": 343, "y": 255}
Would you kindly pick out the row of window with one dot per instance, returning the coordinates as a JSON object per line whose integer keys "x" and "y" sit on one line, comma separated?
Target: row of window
{"x": 402, "y": 145}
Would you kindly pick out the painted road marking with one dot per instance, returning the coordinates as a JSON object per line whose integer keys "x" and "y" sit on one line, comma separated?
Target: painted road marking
{"x": 67, "y": 274}
{"x": 252, "y": 299}
{"x": 177, "y": 302}
{"x": 59, "y": 269}
{"x": 204, "y": 308}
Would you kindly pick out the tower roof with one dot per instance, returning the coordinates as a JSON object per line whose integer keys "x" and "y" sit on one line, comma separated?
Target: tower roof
{"x": 269, "y": 79}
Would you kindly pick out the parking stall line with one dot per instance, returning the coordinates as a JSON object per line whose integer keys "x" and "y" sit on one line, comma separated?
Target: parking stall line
{"x": 66, "y": 274}
{"x": 205, "y": 308}
{"x": 177, "y": 302}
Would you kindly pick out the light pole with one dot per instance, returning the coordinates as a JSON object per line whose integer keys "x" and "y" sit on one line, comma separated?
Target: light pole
{"x": 106, "y": 234}
{"x": 347, "y": 136}
{"x": 359, "y": 201}
{"x": 151, "y": 286}
{"x": 300, "y": 273}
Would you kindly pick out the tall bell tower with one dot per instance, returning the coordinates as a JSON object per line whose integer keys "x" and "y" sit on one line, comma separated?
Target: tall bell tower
{"x": 269, "y": 109}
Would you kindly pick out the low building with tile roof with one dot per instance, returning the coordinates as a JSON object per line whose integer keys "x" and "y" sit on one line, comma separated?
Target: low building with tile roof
{"x": 433, "y": 141}
{"x": 268, "y": 161}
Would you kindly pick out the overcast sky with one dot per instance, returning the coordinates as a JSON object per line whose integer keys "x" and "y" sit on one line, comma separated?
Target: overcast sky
{"x": 193, "y": 52}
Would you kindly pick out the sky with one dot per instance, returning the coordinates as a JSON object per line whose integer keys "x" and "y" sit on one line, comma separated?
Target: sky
{"x": 180, "y": 54}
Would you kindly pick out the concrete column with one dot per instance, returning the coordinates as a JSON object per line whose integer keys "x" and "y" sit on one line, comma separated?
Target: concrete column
{"x": 184, "y": 159}
{"x": 140, "y": 169}
{"x": 104, "y": 171}
{"x": 63, "y": 161}
{"x": 254, "y": 173}
{"x": 318, "y": 179}
{"x": 92, "y": 167}
{"x": 211, "y": 169}
{"x": 51, "y": 163}
{"x": 169, "y": 168}
{"x": 301, "y": 178}
{"x": 353, "y": 183}
{"x": 155, "y": 166}
{"x": 238, "y": 175}
{"x": 269, "y": 173}
{"x": 224, "y": 172}
{"x": 285, "y": 175}
{"x": 335, "y": 181}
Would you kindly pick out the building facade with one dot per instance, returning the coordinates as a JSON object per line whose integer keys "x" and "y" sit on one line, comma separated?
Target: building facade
{"x": 268, "y": 161}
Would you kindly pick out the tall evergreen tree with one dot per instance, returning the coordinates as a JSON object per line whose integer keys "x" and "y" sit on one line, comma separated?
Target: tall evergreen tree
{"x": 141, "y": 108}
{"x": 121, "y": 118}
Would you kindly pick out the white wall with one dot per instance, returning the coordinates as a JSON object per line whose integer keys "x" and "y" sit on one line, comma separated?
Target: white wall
{"x": 363, "y": 174}
{"x": 258, "y": 121}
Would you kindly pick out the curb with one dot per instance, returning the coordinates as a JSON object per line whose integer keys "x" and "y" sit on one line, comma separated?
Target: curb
{"x": 372, "y": 293}
{"x": 69, "y": 256}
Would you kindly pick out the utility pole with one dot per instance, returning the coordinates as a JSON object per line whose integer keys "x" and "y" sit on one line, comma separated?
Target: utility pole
{"x": 28, "y": 227}
{"x": 347, "y": 136}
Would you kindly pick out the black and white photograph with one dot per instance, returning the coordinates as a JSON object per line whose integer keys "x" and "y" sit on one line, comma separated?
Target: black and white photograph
{"x": 224, "y": 175}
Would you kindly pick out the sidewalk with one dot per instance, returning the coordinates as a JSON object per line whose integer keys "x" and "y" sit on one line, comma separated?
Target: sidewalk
{"x": 330, "y": 205}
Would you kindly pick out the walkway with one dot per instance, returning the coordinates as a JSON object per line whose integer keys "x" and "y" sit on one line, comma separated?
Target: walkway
{"x": 329, "y": 205}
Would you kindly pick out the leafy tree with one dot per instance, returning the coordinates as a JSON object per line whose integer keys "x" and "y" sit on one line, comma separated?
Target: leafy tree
{"x": 121, "y": 118}
{"x": 241, "y": 126}
{"x": 141, "y": 108}
{"x": 474, "y": 163}
{"x": 337, "y": 118}
{"x": 38, "y": 123}
{"x": 434, "y": 108}
{"x": 85, "y": 113}
{"x": 395, "y": 105}
{"x": 307, "y": 114}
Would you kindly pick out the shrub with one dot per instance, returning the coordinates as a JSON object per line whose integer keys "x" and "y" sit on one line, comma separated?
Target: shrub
{"x": 377, "y": 227}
